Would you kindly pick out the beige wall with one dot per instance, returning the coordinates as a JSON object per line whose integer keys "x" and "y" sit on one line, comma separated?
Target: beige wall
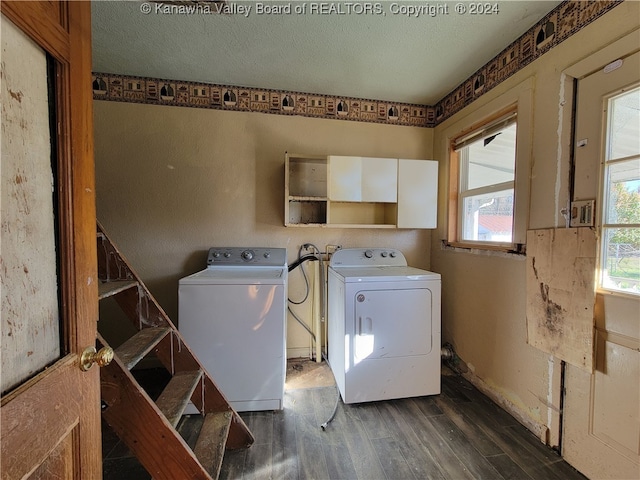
{"x": 174, "y": 181}
{"x": 484, "y": 295}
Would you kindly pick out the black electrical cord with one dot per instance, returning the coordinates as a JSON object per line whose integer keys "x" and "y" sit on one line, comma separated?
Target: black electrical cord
{"x": 296, "y": 264}
{"x": 301, "y": 260}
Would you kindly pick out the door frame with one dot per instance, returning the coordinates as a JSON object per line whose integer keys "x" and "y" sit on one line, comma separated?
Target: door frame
{"x": 63, "y": 30}
{"x": 573, "y": 379}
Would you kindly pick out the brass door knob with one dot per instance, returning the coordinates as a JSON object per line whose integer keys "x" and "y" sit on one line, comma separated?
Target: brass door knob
{"x": 102, "y": 357}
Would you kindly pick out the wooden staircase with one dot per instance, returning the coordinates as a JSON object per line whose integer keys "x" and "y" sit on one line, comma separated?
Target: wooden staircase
{"x": 148, "y": 428}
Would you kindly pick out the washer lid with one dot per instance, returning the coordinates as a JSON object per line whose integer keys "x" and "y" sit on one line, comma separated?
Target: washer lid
{"x": 237, "y": 276}
{"x": 384, "y": 274}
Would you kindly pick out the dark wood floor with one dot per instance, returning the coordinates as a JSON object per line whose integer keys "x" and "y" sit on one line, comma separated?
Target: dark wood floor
{"x": 459, "y": 434}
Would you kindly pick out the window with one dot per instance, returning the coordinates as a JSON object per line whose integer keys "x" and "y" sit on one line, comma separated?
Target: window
{"x": 483, "y": 166}
{"x": 620, "y": 254}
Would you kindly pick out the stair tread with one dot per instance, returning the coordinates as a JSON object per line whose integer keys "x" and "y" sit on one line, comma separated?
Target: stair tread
{"x": 210, "y": 447}
{"x": 137, "y": 347}
{"x": 174, "y": 398}
{"x": 148, "y": 428}
{"x": 108, "y": 289}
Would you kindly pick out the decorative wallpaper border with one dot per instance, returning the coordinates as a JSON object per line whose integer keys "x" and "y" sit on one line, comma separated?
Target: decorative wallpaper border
{"x": 125, "y": 88}
{"x": 563, "y": 21}
{"x": 566, "y": 19}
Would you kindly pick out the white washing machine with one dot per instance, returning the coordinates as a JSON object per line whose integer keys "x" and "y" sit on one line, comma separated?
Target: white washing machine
{"x": 384, "y": 326}
{"x": 233, "y": 317}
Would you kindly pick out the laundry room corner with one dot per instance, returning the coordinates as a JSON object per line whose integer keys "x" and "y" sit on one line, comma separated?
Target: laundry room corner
{"x": 171, "y": 186}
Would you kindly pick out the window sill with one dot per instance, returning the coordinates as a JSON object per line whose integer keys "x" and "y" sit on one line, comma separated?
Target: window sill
{"x": 485, "y": 249}
{"x": 604, "y": 291}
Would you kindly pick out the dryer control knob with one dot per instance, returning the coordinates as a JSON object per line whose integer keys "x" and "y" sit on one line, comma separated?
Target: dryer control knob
{"x": 393, "y": 254}
{"x": 368, "y": 253}
{"x": 227, "y": 254}
{"x": 383, "y": 254}
{"x": 247, "y": 255}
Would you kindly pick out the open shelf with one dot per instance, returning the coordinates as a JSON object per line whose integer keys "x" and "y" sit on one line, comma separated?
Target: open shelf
{"x": 363, "y": 213}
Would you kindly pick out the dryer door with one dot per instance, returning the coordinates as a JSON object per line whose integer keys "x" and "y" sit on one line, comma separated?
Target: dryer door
{"x": 392, "y": 323}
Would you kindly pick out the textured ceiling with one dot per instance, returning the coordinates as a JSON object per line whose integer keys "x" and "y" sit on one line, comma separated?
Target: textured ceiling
{"x": 386, "y": 56}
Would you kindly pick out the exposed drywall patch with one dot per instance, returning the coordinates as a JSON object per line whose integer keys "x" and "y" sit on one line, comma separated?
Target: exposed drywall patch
{"x": 560, "y": 293}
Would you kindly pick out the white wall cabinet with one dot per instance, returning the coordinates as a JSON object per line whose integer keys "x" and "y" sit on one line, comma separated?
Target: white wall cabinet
{"x": 362, "y": 179}
{"x": 364, "y": 192}
{"x": 344, "y": 179}
{"x": 417, "y": 193}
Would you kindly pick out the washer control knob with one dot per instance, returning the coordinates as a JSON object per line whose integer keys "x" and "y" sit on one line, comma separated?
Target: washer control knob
{"x": 368, "y": 253}
{"x": 393, "y": 254}
{"x": 247, "y": 255}
{"x": 227, "y": 254}
{"x": 383, "y": 254}
{"x": 216, "y": 254}
{"x": 267, "y": 254}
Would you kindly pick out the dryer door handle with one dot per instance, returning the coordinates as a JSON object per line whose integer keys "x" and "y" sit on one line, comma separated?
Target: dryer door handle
{"x": 365, "y": 326}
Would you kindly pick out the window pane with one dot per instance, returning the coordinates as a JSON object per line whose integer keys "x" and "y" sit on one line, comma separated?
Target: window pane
{"x": 624, "y": 125}
{"x": 621, "y": 259}
{"x": 492, "y": 160}
{"x": 488, "y": 217}
{"x": 623, "y": 192}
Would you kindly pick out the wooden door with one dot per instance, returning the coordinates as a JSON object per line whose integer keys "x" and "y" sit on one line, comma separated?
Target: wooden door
{"x": 50, "y": 408}
{"x": 601, "y": 431}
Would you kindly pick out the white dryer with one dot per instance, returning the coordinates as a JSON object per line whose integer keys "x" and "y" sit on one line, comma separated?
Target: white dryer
{"x": 384, "y": 326}
{"x": 233, "y": 317}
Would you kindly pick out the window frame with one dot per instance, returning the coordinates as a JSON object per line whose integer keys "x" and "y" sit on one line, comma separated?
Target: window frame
{"x": 602, "y": 225}
{"x": 498, "y": 120}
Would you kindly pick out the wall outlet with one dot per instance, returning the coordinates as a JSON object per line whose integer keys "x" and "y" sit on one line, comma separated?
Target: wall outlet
{"x": 583, "y": 213}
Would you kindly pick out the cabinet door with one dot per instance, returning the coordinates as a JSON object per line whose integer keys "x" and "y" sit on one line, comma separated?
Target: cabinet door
{"x": 380, "y": 180}
{"x": 417, "y": 193}
{"x": 345, "y": 179}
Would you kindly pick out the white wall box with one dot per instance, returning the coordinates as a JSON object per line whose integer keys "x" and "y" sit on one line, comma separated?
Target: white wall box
{"x": 360, "y": 192}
